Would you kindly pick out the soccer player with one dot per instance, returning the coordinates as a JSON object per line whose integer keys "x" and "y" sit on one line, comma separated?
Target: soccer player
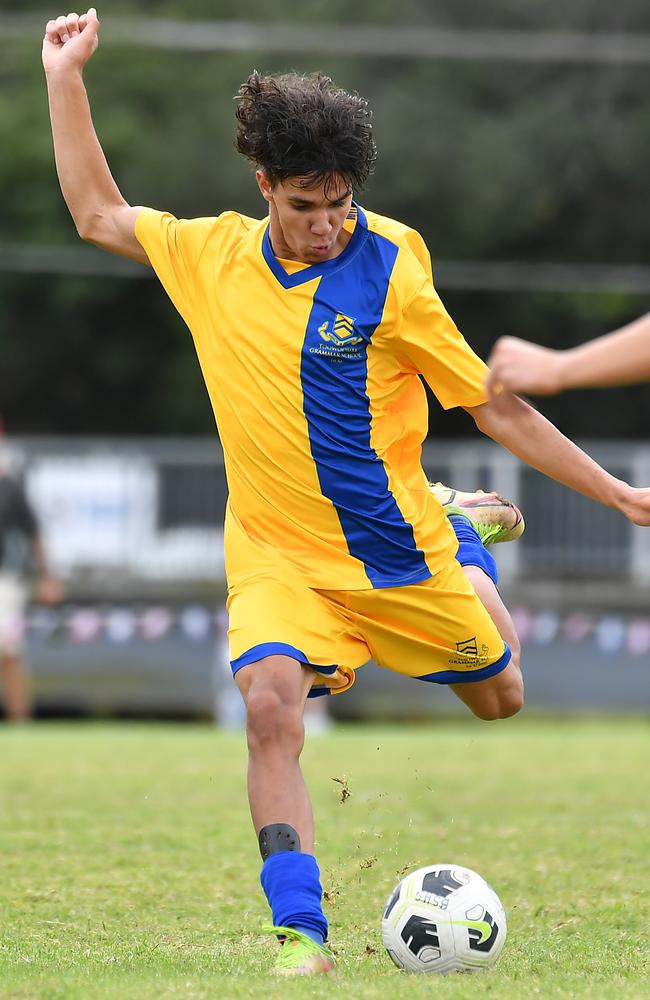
{"x": 618, "y": 358}
{"x": 313, "y": 326}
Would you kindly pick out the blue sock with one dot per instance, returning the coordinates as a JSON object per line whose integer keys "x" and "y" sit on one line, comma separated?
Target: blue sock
{"x": 471, "y": 550}
{"x": 291, "y": 881}
{"x": 314, "y": 935}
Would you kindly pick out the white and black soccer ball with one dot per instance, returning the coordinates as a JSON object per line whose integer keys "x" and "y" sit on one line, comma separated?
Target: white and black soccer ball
{"x": 444, "y": 918}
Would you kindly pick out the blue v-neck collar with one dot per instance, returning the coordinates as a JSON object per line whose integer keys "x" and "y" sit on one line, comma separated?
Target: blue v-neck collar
{"x": 357, "y": 240}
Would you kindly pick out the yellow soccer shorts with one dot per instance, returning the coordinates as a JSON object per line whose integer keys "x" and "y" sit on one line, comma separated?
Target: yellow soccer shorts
{"x": 436, "y": 630}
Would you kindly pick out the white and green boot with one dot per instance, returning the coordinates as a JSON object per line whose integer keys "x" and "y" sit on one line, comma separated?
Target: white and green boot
{"x": 495, "y": 518}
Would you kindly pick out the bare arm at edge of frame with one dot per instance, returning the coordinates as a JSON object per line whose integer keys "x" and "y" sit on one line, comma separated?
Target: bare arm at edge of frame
{"x": 618, "y": 358}
{"x": 523, "y": 431}
{"x": 99, "y": 211}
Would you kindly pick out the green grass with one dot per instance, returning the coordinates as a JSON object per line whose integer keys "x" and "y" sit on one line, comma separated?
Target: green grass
{"x": 129, "y": 868}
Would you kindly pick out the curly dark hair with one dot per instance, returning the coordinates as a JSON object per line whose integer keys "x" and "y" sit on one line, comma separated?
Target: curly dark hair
{"x": 291, "y": 125}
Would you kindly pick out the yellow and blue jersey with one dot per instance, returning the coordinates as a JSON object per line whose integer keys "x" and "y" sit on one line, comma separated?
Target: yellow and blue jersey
{"x": 314, "y": 377}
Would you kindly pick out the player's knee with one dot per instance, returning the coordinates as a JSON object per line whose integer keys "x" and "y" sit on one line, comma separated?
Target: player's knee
{"x": 512, "y": 703}
{"x": 503, "y": 703}
{"x": 272, "y": 722}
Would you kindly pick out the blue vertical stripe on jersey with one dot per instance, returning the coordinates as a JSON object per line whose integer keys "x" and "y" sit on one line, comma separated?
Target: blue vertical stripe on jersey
{"x": 347, "y": 309}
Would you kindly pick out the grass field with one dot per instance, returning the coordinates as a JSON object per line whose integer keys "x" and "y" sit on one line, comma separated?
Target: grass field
{"x": 129, "y": 869}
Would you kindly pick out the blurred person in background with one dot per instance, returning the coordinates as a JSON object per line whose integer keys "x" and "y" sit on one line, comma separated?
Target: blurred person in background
{"x": 618, "y": 358}
{"x": 313, "y": 326}
{"x": 23, "y": 574}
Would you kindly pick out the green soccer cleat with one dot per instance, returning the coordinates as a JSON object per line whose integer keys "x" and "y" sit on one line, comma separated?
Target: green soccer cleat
{"x": 300, "y": 955}
{"x": 495, "y": 518}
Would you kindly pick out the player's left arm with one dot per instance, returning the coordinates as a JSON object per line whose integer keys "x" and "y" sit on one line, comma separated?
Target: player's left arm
{"x": 523, "y": 431}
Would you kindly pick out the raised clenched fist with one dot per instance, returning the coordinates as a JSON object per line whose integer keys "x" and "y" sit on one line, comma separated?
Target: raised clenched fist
{"x": 70, "y": 41}
{"x": 518, "y": 366}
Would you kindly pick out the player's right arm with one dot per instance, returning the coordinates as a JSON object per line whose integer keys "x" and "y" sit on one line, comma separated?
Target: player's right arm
{"x": 618, "y": 358}
{"x": 99, "y": 211}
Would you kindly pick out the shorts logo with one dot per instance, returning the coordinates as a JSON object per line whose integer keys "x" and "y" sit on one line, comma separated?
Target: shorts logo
{"x": 343, "y": 332}
{"x": 469, "y": 654}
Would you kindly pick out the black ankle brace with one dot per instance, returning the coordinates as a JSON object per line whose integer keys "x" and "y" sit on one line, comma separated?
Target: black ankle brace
{"x": 278, "y": 837}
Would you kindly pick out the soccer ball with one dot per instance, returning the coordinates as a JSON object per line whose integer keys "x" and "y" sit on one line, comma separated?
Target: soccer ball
{"x": 444, "y": 918}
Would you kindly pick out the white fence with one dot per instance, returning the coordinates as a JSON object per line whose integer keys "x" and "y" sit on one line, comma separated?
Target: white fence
{"x": 152, "y": 510}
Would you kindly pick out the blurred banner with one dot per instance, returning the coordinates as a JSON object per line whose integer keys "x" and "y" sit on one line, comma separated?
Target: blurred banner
{"x": 605, "y": 633}
{"x": 172, "y": 660}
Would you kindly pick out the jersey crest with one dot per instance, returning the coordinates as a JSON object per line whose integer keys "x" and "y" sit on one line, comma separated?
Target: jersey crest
{"x": 343, "y": 332}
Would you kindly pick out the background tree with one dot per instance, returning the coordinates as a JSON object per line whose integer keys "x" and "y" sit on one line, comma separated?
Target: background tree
{"x": 513, "y": 161}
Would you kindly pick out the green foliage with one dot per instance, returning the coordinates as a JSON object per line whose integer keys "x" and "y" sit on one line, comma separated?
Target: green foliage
{"x": 584, "y": 15}
{"x": 130, "y": 869}
{"x": 513, "y": 161}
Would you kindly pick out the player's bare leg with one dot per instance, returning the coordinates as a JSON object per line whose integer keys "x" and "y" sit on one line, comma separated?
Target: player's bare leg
{"x": 275, "y": 690}
{"x": 495, "y": 519}
{"x": 16, "y": 688}
{"x": 502, "y": 695}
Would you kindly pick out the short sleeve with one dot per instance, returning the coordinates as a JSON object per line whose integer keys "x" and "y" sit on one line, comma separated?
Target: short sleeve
{"x": 418, "y": 248}
{"x": 431, "y": 345}
{"x": 174, "y": 247}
